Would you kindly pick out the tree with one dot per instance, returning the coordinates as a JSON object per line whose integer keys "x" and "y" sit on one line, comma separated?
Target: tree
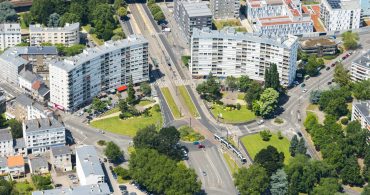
{"x": 366, "y": 190}
{"x": 5, "y": 187}
{"x": 41, "y": 10}
{"x": 253, "y": 93}
{"x": 119, "y": 3}
{"x": 267, "y": 78}
{"x": 337, "y": 107}
{"x": 159, "y": 16}
{"x": 279, "y": 183}
{"x": 272, "y": 77}
{"x": 361, "y": 90}
{"x": 253, "y": 180}
{"x": 54, "y": 20}
{"x": 98, "y": 105}
{"x": 145, "y": 88}
{"x": 147, "y": 137}
{"x": 311, "y": 68}
{"x": 270, "y": 159}
{"x": 350, "y": 40}
{"x": 168, "y": 138}
{"x": 15, "y": 128}
{"x": 310, "y": 121}
{"x": 131, "y": 98}
{"x": 356, "y": 139}
{"x": 122, "y": 12}
{"x": 231, "y": 82}
{"x": 315, "y": 96}
{"x": 69, "y": 18}
{"x": 102, "y": 16}
{"x": 41, "y": 182}
{"x": 301, "y": 147}
{"x": 351, "y": 173}
{"x": 293, "y": 145}
{"x": 7, "y": 12}
{"x": 122, "y": 172}
{"x": 327, "y": 186}
{"x": 341, "y": 75}
{"x": 244, "y": 83}
{"x": 113, "y": 152}
{"x": 210, "y": 89}
{"x": 265, "y": 135}
{"x": 267, "y": 103}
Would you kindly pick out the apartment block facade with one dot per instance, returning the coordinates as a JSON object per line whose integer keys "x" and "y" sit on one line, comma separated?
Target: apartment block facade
{"x": 361, "y": 113}
{"x": 41, "y": 134}
{"x": 67, "y": 35}
{"x": 225, "y": 9}
{"x": 88, "y": 166}
{"x": 229, "y": 53}
{"x": 191, "y": 14}
{"x": 6, "y": 143}
{"x": 80, "y": 78}
{"x": 12, "y": 65}
{"x": 339, "y": 15}
{"x": 360, "y": 68}
{"x": 10, "y": 35}
{"x": 278, "y": 17}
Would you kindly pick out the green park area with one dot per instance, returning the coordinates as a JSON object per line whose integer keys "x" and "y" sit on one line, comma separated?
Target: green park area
{"x": 171, "y": 102}
{"x": 131, "y": 125}
{"x": 231, "y": 114}
{"x": 188, "y": 101}
{"x": 254, "y": 144}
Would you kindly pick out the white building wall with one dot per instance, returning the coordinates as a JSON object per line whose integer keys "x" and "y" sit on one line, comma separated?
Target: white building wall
{"x": 6, "y": 148}
{"x": 42, "y": 140}
{"x": 10, "y": 35}
{"x": 339, "y": 19}
{"x": 360, "y": 72}
{"x": 67, "y": 35}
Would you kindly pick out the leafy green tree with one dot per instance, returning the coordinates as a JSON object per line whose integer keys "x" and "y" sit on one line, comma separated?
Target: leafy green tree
{"x": 315, "y": 96}
{"x": 41, "y": 182}
{"x": 244, "y": 83}
{"x": 41, "y": 10}
{"x": 253, "y": 93}
{"x": 54, "y": 20}
{"x": 279, "y": 183}
{"x": 301, "y": 147}
{"x": 147, "y": 137}
{"x": 310, "y": 121}
{"x": 98, "y": 105}
{"x": 334, "y": 101}
{"x": 7, "y": 12}
{"x": 327, "y": 186}
{"x": 15, "y": 128}
{"x": 69, "y": 18}
{"x": 168, "y": 138}
{"x": 265, "y": 135}
{"x": 113, "y": 152}
{"x": 366, "y": 190}
{"x": 351, "y": 173}
{"x": 267, "y": 78}
{"x": 122, "y": 12}
{"x": 5, "y": 187}
{"x": 341, "y": 75}
{"x": 253, "y": 180}
{"x": 210, "y": 89}
{"x": 356, "y": 139}
{"x": 293, "y": 145}
{"x": 103, "y": 20}
{"x": 267, "y": 103}
{"x": 272, "y": 77}
{"x": 119, "y": 3}
{"x": 145, "y": 88}
{"x": 337, "y": 107}
{"x": 270, "y": 159}
{"x": 159, "y": 16}
{"x": 231, "y": 82}
{"x": 122, "y": 172}
{"x": 312, "y": 65}
{"x": 361, "y": 90}
{"x": 131, "y": 98}
{"x": 350, "y": 40}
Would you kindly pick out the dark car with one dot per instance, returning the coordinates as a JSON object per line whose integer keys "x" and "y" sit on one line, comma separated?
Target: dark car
{"x": 58, "y": 185}
{"x": 201, "y": 146}
{"x": 329, "y": 83}
{"x": 299, "y": 134}
{"x": 327, "y": 68}
{"x": 169, "y": 64}
{"x": 122, "y": 187}
{"x": 333, "y": 64}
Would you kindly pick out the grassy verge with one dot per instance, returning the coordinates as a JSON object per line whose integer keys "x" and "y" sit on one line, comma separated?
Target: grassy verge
{"x": 129, "y": 126}
{"x": 188, "y": 101}
{"x": 241, "y": 96}
{"x": 233, "y": 166}
{"x": 188, "y": 134}
{"x": 233, "y": 116}
{"x": 145, "y": 102}
{"x": 171, "y": 103}
{"x": 111, "y": 111}
{"x": 254, "y": 143}
{"x": 23, "y": 188}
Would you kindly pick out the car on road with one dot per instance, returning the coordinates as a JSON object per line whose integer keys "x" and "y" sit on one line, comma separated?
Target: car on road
{"x": 200, "y": 146}
{"x": 58, "y": 185}
{"x": 196, "y": 143}
{"x": 204, "y": 173}
{"x": 304, "y": 90}
{"x": 299, "y": 134}
{"x": 327, "y": 68}
{"x": 260, "y": 122}
{"x": 333, "y": 64}
{"x": 303, "y": 85}
{"x": 329, "y": 83}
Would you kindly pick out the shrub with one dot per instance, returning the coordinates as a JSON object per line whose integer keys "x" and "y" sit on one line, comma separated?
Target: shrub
{"x": 280, "y": 135}
{"x": 344, "y": 121}
{"x": 101, "y": 142}
{"x": 279, "y": 121}
{"x": 122, "y": 172}
{"x": 188, "y": 134}
{"x": 238, "y": 106}
{"x": 265, "y": 135}
{"x": 157, "y": 108}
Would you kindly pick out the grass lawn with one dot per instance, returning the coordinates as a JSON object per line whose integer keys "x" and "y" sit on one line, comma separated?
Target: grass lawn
{"x": 188, "y": 101}
{"x": 241, "y": 96}
{"x": 171, "y": 103}
{"x": 145, "y": 102}
{"x": 111, "y": 111}
{"x": 254, "y": 143}
{"x": 23, "y": 188}
{"x": 129, "y": 126}
{"x": 233, "y": 116}
{"x": 233, "y": 166}
{"x": 220, "y": 24}
{"x": 312, "y": 107}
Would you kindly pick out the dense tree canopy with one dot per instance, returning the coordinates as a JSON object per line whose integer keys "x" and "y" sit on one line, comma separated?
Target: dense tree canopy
{"x": 131, "y": 98}
{"x": 341, "y": 75}
{"x": 145, "y": 88}
{"x": 272, "y": 77}
{"x": 270, "y": 159}
{"x": 253, "y": 92}
{"x": 7, "y": 12}
{"x": 313, "y": 65}
{"x": 210, "y": 89}
{"x": 113, "y": 152}
{"x": 333, "y": 101}
{"x": 279, "y": 183}
{"x": 267, "y": 103}
{"x": 327, "y": 186}
{"x": 253, "y": 180}
{"x": 350, "y": 40}
{"x": 54, "y": 20}
{"x": 361, "y": 90}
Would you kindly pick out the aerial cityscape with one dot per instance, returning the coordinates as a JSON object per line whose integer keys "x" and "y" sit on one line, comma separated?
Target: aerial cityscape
{"x": 184, "y": 97}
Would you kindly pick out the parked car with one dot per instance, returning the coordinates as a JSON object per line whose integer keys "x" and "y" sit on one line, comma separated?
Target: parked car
{"x": 58, "y": 185}
{"x": 260, "y": 122}
{"x": 329, "y": 83}
{"x": 333, "y": 64}
{"x": 196, "y": 143}
{"x": 201, "y": 146}
{"x": 303, "y": 85}
{"x": 299, "y": 134}
{"x": 327, "y": 68}
{"x": 304, "y": 90}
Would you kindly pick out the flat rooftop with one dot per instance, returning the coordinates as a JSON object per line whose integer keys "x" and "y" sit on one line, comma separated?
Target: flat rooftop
{"x": 318, "y": 42}
{"x": 90, "y": 163}
{"x": 94, "y": 189}
{"x": 364, "y": 59}
{"x": 262, "y": 3}
{"x": 342, "y": 4}
{"x": 41, "y": 124}
{"x": 197, "y": 9}
{"x": 277, "y": 20}
{"x": 67, "y": 27}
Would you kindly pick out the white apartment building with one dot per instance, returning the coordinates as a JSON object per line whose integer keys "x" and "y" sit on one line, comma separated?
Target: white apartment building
{"x": 225, "y": 9}
{"x": 41, "y": 134}
{"x": 339, "y": 15}
{"x": 6, "y": 143}
{"x": 361, "y": 113}
{"x": 88, "y": 166}
{"x": 67, "y": 35}
{"x": 229, "y": 53}
{"x": 95, "y": 189}
{"x": 360, "y": 68}
{"x": 78, "y": 79}
{"x": 60, "y": 158}
{"x": 278, "y": 17}
{"x": 10, "y": 35}
{"x": 11, "y": 65}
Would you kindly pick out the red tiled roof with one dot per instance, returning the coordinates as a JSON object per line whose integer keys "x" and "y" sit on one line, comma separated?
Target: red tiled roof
{"x": 15, "y": 161}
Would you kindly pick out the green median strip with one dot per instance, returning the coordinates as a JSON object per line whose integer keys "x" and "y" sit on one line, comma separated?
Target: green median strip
{"x": 233, "y": 166}
{"x": 188, "y": 101}
{"x": 171, "y": 102}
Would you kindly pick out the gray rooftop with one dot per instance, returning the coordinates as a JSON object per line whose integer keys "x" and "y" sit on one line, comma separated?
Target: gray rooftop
{"x": 5, "y": 28}
{"x": 24, "y": 100}
{"x": 29, "y": 76}
{"x": 60, "y": 150}
{"x": 11, "y": 56}
{"x": 5, "y": 135}
{"x": 364, "y": 108}
{"x": 91, "y": 53}
{"x": 42, "y": 50}
{"x": 19, "y": 143}
{"x": 342, "y": 4}
{"x": 38, "y": 162}
{"x": 197, "y": 9}
{"x": 3, "y": 162}
{"x": 42, "y": 124}
{"x": 230, "y": 33}
{"x": 43, "y": 90}
{"x": 89, "y": 160}
{"x": 94, "y": 189}
{"x": 67, "y": 27}
{"x": 363, "y": 60}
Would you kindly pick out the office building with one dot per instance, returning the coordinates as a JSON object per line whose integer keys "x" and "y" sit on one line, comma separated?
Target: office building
{"x": 10, "y": 35}
{"x": 339, "y": 15}
{"x": 191, "y": 14}
{"x": 360, "y": 68}
{"x": 67, "y": 35}
{"x": 80, "y": 78}
{"x": 365, "y": 8}
{"x": 225, "y": 9}
{"x": 229, "y": 53}
{"x": 60, "y": 158}
{"x": 361, "y": 113}
{"x": 88, "y": 166}
{"x": 41, "y": 134}
{"x": 278, "y": 17}
{"x": 94, "y": 189}
{"x": 319, "y": 46}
